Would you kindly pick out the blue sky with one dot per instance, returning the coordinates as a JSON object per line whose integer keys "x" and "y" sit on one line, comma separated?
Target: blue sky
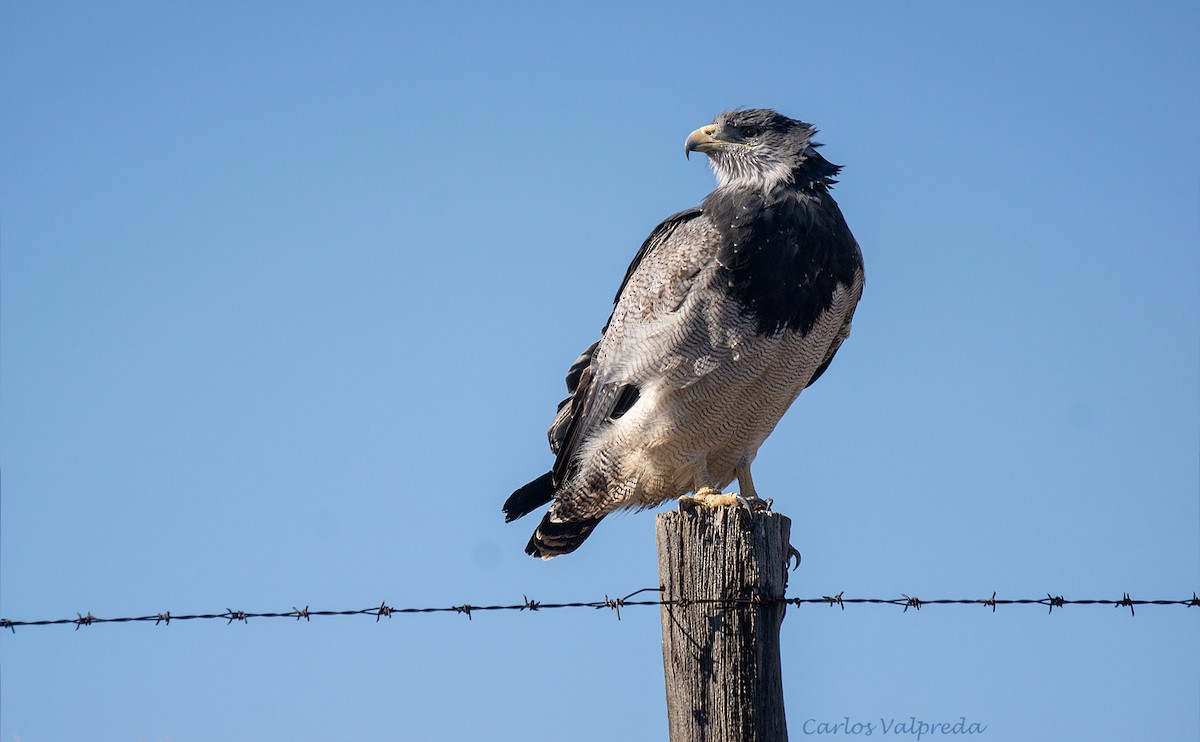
{"x": 287, "y": 293}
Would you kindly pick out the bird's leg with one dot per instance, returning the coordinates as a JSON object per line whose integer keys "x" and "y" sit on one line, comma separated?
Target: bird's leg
{"x": 749, "y": 496}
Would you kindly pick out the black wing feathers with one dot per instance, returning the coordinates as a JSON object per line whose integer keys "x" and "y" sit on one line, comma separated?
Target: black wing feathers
{"x": 575, "y": 375}
{"x": 579, "y": 366}
{"x": 625, "y": 400}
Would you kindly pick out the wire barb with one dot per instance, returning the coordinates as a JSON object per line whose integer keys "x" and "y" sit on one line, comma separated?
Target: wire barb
{"x": 615, "y": 604}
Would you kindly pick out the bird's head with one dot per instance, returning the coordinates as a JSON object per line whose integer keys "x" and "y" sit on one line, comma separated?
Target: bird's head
{"x": 761, "y": 149}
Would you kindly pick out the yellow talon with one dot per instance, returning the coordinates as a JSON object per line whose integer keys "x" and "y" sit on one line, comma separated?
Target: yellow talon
{"x": 711, "y": 498}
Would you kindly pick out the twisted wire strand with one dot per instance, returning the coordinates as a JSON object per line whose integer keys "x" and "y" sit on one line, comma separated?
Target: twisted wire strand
{"x": 383, "y": 610}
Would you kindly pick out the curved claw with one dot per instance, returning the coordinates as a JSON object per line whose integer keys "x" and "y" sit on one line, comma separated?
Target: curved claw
{"x": 753, "y": 503}
{"x": 792, "y": 552}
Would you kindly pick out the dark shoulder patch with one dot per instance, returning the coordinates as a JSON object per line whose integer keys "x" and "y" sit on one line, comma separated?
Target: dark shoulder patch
{"x": 785, "y": 257}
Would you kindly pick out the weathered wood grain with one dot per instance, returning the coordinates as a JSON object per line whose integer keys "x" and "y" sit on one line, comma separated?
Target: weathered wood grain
{"x": 722, "y": 662}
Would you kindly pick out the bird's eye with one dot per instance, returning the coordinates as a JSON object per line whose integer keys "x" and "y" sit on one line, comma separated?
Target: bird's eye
{"x": 749, "y": 132}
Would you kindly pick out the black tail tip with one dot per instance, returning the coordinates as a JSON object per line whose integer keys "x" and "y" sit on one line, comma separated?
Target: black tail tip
{"x": 529, "y": 498}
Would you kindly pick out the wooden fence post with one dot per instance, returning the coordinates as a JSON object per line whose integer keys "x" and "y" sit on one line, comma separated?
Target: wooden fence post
{"x": 722, "y": 661}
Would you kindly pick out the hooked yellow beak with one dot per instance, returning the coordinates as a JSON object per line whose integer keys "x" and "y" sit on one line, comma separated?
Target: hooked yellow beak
{"x": 701, "y": 140}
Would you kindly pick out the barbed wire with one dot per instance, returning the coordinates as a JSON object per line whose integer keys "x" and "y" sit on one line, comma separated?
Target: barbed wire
{"x": 383, "y": 610}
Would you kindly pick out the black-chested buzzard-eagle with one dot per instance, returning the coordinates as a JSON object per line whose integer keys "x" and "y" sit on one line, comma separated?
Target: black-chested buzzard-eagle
{"x": 728, "y": 311}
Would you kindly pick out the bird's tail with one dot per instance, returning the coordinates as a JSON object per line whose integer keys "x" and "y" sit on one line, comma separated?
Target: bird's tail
{"x": 553, "y": 535}
{"x": 529, "y": 498}
{"x": 555, "y": 538}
